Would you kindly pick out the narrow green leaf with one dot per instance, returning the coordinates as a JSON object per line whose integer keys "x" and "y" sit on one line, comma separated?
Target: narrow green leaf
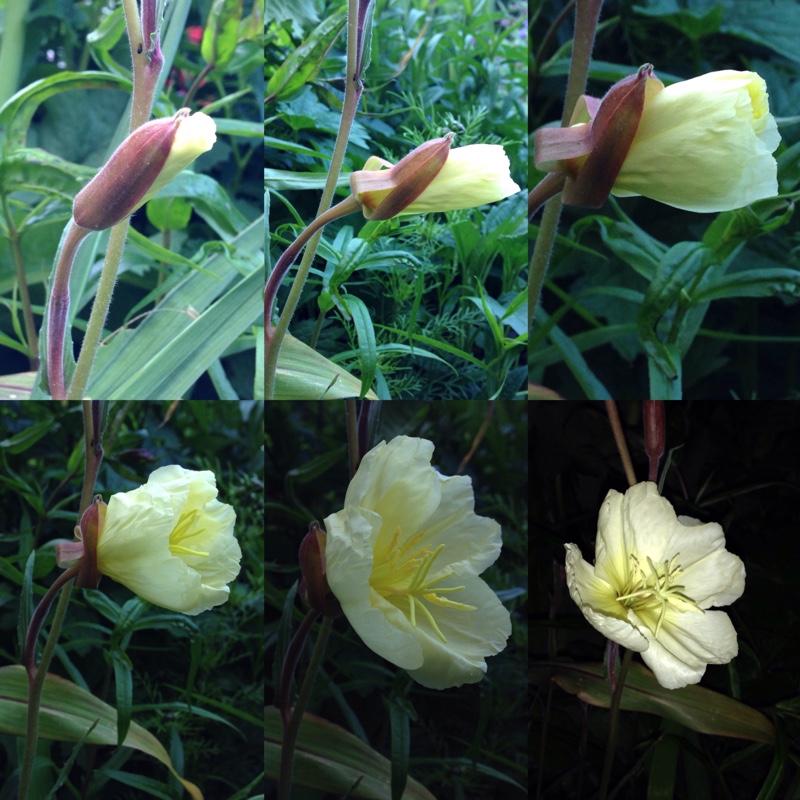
{"x": 123, "y": 684}
{"x": 221, "y": 32}
{"x": 305, "y": 62}
{"x": 695, "y": 707}
{"x": 401, "y": 745}
{"x": 365, "y": 333}
{"x": 332, "y": 759}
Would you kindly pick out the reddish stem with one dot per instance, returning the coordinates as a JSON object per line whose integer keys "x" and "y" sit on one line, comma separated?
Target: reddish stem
{"x": 654, "y": 435}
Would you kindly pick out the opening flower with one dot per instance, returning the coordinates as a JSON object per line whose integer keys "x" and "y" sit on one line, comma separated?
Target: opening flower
{"x": 144, "y": 163}
{"x": 434, "y": 177}
{"x": 170, "y": 541}
{"x": 655, "y": 575}
{"x": 403, "y": 559}
{"x": 703, "y": 145}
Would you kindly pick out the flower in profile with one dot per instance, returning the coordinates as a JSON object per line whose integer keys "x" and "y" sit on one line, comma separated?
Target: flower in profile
{"x": 170, "y": 541}
{"x": 433, "y": 177}
{"x": 703, "y": 144}
{"x": 655, "y": 575}
{"x": 403, "y": 557}
{"x": 143, "y": 164}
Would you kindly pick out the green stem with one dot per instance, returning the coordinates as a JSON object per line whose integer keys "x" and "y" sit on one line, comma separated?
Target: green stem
{"x": 611, "y": 746}
{"x": 36, "y": 686}
{"x": 587, "y": 13}
{"x": 102, "y": 301}
{"x": 352, "y": 95}
{"x": 290, "y": 733}
{"x": 274, "y": 334}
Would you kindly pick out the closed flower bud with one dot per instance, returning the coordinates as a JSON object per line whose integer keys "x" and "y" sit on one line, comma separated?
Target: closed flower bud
{"x": 434, "y": 177}
{"x": 314, "y": 587}
{"x": 84, "y": 549}
{"x": 145, "y": 162}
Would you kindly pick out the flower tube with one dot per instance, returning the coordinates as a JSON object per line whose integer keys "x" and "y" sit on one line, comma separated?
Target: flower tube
{"x": 654, "y": 578}
{"x": 403, "y": 558}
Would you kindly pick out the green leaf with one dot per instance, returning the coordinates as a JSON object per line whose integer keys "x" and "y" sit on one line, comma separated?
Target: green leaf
{"x": 305, "y": 374}
{"x": 67, "y": 712}
{"x": 332, "y": 759}
{"x": 26, "y": 438}
{"x": 18, "y": 111}
{"x": 35, "y": 170}
{"x": 365, "y": 333}
{"x": 695, "y": 707}
{"x": 123, "y": 682}
{"x": 221, "y": 32}
{"x": 169, "y": 213}
{"x": 304, "y": 63}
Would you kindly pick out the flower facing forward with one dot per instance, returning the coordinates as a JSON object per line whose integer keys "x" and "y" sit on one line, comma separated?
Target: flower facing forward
{"x": 170, "y": 541}
{"x": 703, "y": 145}
{"x": 655, "y": 576}
{"x": 403, "y": 558}
{"x": 433, "y": 177}
{"x": 142, "y": 165}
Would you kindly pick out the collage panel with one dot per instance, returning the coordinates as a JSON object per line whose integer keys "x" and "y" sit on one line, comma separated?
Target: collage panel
{"x": 664, "y": 173}
{"x": 131, "y": 600}
{"x": 663, "y": 661}
{"x": 396, "y": 600}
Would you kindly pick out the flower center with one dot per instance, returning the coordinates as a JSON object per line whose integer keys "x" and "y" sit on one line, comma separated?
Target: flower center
{"x": 647, "y": 591}
{"x": 400, "y": 575}
{"x": 182, "y": 533}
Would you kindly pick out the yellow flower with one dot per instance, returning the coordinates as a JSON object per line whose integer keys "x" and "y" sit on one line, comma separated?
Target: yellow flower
{"x": 704, "y": 144}
{"x": 403, "y": 558}
{"x": 434, "y": 177}
{"x": 171, "y": 541}
{"x": 655, "y": 575}
{"x": 144, "y": 163}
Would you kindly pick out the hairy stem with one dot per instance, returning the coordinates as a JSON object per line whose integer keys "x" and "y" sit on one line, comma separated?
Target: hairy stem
{"x": 57, "y": 314}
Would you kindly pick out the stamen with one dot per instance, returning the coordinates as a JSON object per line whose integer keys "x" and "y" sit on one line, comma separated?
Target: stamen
{"x": 400, "y": 575}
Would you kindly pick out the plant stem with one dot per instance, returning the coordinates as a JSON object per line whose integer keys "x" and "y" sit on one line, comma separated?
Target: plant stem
{"x": 12, "y": 47}
{"x": 291, "y": 731}
{"x": 619, "y": 438}
{"x": 352, "y": 94}
{"x": 57, "y": 314}
{"x": 587, "y": 13}
{"x": 37, "y": 679}
{"x": 274, "y": 334}
{"x": 97, "y": 318}
{"x": 616, "y": 698}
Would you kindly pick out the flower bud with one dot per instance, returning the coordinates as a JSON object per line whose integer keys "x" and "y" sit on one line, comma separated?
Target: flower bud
{"x": 145, "y": 162}
{"x": 314, "y": 587}
{"x": 433, "y": 177}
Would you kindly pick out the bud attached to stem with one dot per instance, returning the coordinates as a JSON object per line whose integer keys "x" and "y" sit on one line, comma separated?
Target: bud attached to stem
{"x": 83, "y": 551}
{"x": 314, "y": 587}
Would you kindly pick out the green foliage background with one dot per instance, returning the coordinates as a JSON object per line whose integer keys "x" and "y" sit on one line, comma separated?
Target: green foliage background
{"x": 197, "y": 681}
